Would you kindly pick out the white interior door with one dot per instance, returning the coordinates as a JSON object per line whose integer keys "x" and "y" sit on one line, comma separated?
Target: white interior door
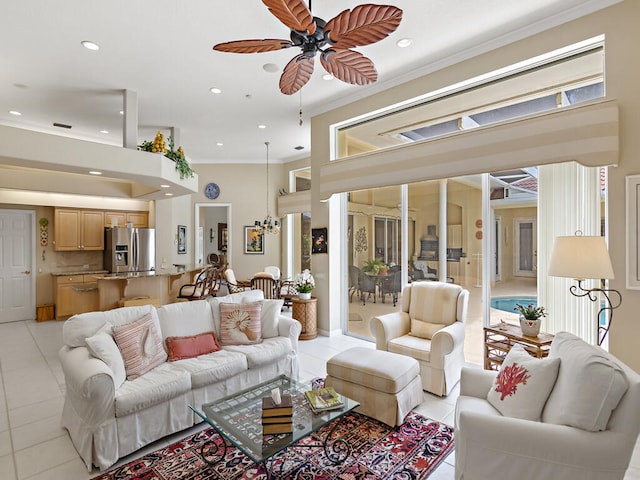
{"x": 526, "y": 247}
{"x": 17, "y": 280}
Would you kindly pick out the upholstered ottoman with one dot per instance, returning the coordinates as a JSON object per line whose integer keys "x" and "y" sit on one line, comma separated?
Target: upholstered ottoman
{"x": 386, "y": 384}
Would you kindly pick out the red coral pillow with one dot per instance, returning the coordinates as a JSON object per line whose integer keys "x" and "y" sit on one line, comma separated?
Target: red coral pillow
{"x": 180, "y": 348}
{"x": 523, "y": 384}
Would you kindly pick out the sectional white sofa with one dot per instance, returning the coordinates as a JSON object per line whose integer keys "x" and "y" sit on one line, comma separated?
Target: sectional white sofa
{"x": 109, "y": 417}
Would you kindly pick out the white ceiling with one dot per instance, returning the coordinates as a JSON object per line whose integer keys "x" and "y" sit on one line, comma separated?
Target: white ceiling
{"x": 162, "y": 49}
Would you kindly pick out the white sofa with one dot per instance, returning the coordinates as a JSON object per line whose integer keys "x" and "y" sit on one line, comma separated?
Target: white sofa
{"x": 108, "y": 417}
{"x": 587, "y": 427}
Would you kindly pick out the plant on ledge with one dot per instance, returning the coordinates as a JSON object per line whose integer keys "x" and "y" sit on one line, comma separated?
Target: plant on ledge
{"x": 178, "y": 156}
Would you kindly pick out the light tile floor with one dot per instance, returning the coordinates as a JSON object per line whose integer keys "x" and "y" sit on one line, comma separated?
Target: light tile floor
{"x": 34, "y": 446}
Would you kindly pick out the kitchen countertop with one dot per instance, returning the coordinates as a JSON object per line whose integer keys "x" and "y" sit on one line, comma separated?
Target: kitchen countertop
{"x": 105, "y": 275}
{"x": 79, "y": 272}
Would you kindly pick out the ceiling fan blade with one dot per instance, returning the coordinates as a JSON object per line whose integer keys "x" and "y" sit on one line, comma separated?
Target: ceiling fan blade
{"x": 349, "y": 66}
{"x": 293, "y": 13}
{"x": 296, "y": 74}
{"x": 253, "y": 46}
{"x": 363, "y": 25}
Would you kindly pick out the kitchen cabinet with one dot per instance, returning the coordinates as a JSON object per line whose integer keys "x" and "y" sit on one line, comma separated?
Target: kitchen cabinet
{"x": 138, "y": 219}
{"x": 454, "y": 236}
{"x": 77, "y": 229}
{"x": 75, "y": 294}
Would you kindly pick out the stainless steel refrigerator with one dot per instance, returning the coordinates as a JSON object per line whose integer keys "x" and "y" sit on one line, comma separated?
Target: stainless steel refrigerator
{"x": 129, "y": 249}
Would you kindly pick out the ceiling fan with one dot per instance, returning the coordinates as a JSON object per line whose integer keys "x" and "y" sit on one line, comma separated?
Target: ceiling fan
{"x": 363, "y": 25}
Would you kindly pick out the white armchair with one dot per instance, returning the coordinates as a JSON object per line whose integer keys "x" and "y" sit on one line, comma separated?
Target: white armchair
{"x": 490, "y": 445}
{"x": 430, "y": 328}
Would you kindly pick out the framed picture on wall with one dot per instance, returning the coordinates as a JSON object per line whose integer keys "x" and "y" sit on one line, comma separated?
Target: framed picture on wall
{"x": 223, "y": 237}
{"x": 319, "y": 240}
{"x": 182, "y": 239}
{"x": 253, "y": 241}
{"x": 633, "y": 232}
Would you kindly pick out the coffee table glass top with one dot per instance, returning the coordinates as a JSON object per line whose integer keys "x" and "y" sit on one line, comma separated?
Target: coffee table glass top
{"x": 238, "y": 418}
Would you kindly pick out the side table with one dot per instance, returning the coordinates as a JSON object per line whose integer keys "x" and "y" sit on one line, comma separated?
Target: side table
{"x": 498, "y": 342}
{"x": 305, "y": 312}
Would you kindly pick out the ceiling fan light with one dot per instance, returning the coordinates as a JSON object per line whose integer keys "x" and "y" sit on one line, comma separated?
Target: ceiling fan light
{"x": 327, "y": 76}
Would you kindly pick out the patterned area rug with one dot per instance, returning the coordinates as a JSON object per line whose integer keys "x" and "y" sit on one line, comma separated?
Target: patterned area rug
{"x": 413, "y": 451}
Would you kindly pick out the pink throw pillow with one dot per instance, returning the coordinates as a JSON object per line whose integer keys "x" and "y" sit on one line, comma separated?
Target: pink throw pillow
{"x": 140, "y": 344}
{"x": 193, "y": 346}
{"x": 240, "y": 323}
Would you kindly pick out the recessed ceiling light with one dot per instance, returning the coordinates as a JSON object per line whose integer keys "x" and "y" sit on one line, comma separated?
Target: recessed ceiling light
{"x": 327, "y": 76}
{"x": 104, "y": 131}
{"x": 215, "y": 90}
{"x": 165, "y": 186}
{"x": 95, "y": 172}
{"x": 270, "y": 67}
{"x": 262, "y": 126}
{"x": 169, "y": 194}
{"x": 219, "y": 144}
{"x": 121, "y": 112}
{"x": 404, "y": 42}
{"x": 89, "y": 45}
{"x": 15, "y": 112}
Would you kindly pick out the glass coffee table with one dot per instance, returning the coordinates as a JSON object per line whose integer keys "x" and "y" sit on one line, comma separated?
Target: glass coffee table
{"x": 238, "y": 421}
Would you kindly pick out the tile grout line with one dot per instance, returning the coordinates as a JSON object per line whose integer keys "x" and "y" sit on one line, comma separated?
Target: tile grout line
{"x": 9, "y": 429}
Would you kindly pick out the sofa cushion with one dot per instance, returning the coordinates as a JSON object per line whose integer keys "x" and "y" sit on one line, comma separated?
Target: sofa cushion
{"x": 247, "y": 296}
{"x": 240, "y": 323}
{"x": 140, "y": 345}
{"x": 415, "y": 347}
{"x": 589, "y": 387}
{"x": 214, "y": 367}
{"x": 434, "y": 302}
{"x": 424, "y": 329}
{"x": 269, "y": 317}
{"x": 523, "y": 384}
{"x": 154, "y": 387}
{"x": 79, "y": 327}
{"x": 269, "y": 351}
{"x": 185, "y": 319}
{"x": 103, "y": 346}
{"x": 180, "y": 348}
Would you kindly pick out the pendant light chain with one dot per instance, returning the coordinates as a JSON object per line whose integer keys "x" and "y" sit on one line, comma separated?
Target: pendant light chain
{"x": 268, "y": 225}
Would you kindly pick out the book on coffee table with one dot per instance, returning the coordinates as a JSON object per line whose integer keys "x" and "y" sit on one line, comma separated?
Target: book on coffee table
{"x": 323, "y": 399}
{"x": 274, "y": 428}
{"x": 272, "y": 409}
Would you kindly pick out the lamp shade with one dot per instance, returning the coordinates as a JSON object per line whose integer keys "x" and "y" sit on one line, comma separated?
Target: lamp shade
{"x": 580, "y": 257}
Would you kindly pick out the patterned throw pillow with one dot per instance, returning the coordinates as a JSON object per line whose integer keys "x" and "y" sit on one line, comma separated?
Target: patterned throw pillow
{"x": 523, "y": 384}
{"x": 192, "y": 346}
{"x": 240, "y": 323}
{"x": 140, "y": 344}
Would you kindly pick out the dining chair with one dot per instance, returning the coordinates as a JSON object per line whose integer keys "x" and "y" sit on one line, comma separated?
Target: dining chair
{"x": 233, "y": 285}
{"x": 206, "y": 283}
{"x": 264, "y": 281}
{"x": 273, "y": 270}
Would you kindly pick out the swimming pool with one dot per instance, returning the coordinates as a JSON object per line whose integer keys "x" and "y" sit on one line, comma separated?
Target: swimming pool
{"x": 508, "y": 304}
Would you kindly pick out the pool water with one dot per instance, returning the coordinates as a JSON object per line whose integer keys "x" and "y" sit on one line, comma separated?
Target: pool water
{"x": 508, "y": 304}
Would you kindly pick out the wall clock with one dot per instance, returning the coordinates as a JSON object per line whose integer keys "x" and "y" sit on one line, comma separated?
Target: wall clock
{"x": 212, "y": 190}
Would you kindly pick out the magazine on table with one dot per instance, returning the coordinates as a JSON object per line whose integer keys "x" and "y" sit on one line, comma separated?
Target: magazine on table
{"x": 323, "y": 399}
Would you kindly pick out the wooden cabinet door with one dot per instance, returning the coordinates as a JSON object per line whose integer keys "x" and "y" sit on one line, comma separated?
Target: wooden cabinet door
{"x": 92, "y": 226}
{"x": 67, "y": 230}
{"x": 139, "y": 219}
{"x": 118, "y": 219}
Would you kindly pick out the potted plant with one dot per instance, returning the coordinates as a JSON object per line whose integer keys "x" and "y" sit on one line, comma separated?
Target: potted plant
{"x": 304, "y": 284}
{"x": 373, "y": 266}
{"x": 530, "y": 319}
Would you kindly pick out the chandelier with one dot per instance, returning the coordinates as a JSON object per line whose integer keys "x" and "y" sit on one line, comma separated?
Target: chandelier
{"x": 268, "y": 225}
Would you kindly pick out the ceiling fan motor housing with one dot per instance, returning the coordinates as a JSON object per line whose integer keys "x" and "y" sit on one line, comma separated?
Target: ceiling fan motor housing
{"x": 310, "y": 44}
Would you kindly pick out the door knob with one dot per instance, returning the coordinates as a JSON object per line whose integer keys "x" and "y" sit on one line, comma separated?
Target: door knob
{"x": 27, "y": 272}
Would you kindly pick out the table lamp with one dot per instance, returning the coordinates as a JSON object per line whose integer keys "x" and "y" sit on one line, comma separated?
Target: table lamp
{"x": 584, "y": 257}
